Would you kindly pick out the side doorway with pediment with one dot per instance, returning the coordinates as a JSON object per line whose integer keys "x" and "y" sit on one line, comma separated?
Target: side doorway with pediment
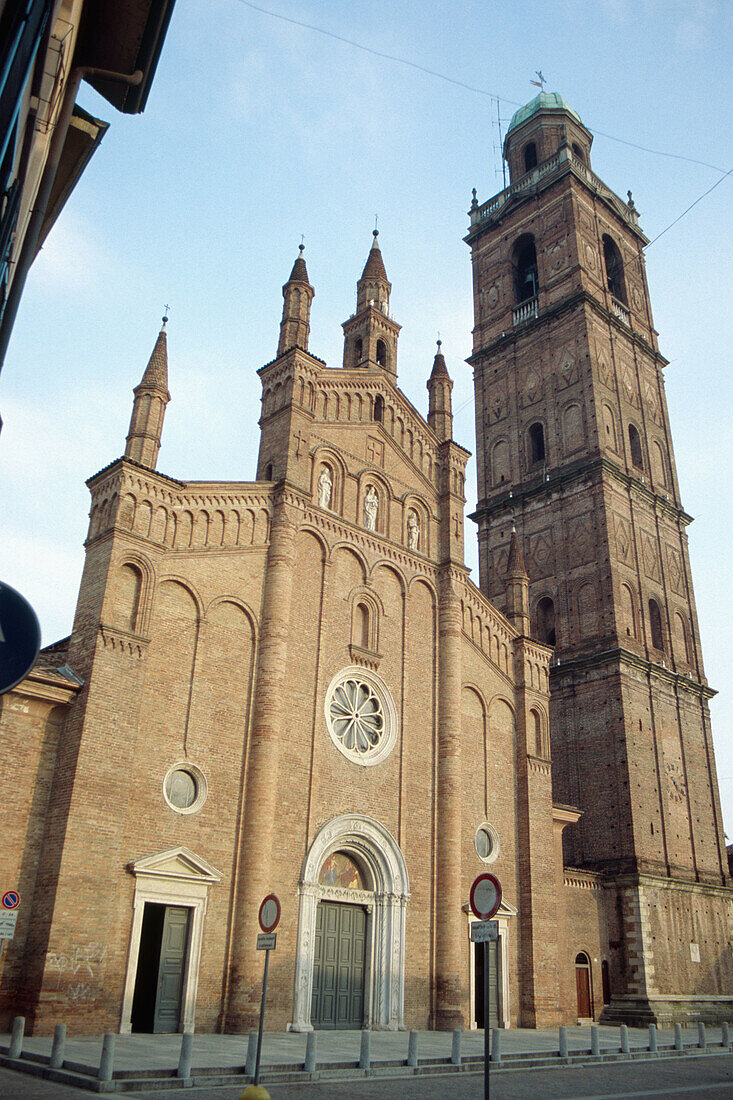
{"x": 171, "y": 892}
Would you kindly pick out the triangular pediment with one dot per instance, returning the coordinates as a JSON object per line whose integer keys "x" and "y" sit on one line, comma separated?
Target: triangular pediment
{"x": 506, "y": 909}
{"x": 176, "y": 863}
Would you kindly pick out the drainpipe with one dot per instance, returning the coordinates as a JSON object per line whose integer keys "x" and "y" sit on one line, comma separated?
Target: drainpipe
{"x": 30, "y": 242}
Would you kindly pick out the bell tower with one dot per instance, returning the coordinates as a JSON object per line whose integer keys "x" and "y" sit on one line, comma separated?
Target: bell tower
{"x": 370, "y": 334}
{"x": 574, "y": 448}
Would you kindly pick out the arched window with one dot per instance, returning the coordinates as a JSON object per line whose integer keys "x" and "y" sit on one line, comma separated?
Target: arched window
{"x": 379, "y": 408}
{"x": 614, "y": 269}
{"x": 361, "y": 625}
{"x": 655, "y": 625}
{"x": 129, "y": 592}
{"x": 381, "y": 353}
{"x": 628, "y": 611}
{"x": 539, "y": 739}
{"x": 681, "y": 639}
{"x": 358, "y": 350}
{"x": 659, "y": 465}
{"x": 635, "y": 447}
{"x": 268, "y": 472}
{"x": 536, "y": 443}
{"x": 526, "y": 282}
{"x": 546, "y": 621}
{"x": 530, "y": 156}
{"x": 578, "y": 152}
{"x": 610, "y": 426}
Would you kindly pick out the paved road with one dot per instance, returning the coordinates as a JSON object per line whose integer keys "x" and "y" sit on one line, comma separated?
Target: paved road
{"x": 688, "y": 1078}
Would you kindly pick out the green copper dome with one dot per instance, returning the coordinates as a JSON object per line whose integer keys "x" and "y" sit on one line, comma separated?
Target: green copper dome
{"x": 545, "y": 101}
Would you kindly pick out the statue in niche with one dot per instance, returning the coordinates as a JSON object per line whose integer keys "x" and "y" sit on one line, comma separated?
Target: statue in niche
{"x": 371, "y": 508}
{"x": 413, "y": 531}
{"x": 325, "y": 486}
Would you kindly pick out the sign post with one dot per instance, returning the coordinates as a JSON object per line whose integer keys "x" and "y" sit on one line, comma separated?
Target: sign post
{"x": 269, "y": 918}
{"x": 485, "y": 900}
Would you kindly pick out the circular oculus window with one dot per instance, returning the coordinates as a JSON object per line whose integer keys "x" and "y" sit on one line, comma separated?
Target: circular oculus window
{"x": 487, "y": 843}
{"x": 361, "y": 716}
{"x": 184, "y": 788}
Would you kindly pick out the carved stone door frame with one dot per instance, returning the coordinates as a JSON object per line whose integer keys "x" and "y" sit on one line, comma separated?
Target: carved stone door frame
{"x": 378, "y": 855}
{"x": 176, "y": 877}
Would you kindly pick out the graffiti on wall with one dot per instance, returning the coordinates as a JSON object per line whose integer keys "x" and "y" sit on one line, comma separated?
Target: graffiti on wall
{"x": 77, "y": 970}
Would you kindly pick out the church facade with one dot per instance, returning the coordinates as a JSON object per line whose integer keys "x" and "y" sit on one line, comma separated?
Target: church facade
{"x": 292, "y": 686}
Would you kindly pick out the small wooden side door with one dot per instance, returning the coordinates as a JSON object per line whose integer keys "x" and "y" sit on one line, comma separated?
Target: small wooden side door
{"x": 171, "y": 969}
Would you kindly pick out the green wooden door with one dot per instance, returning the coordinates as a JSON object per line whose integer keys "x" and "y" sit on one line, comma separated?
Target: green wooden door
{"x": 171, "y": 969}
{"x": 338, "y": 967}
{"x": 478, "y": 956}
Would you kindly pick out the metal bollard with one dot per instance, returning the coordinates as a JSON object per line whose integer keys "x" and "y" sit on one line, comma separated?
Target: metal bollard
{"x": 496, "y": 1046}
{"x": 310, "y": 1052}
{"x": 595, "y": 1044}
{"x": 624, "y": 1039}
{"x": 455, "y": 1051}
{"x": 16, "y": 1039}
{"x": 701, "y": 1038}
{"x": 563, "y": 1042}
{"x": 184, "y": 1061}
{"x": 412, "y": 1050}
{"x": 725, "y": 1037}
{"x": 652, "y": 1038}
{"x": 106, "y": 1062}
{"x": 57, "y": 1048}
{"x": 249, "y": 1066}
{"x": 678, "y": 1044}
{"x": 365, "y": 1052}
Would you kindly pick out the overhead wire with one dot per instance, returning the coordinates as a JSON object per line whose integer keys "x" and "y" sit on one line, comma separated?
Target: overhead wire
{"x": 460, "y": 83}
{"x": 396, "y": 59}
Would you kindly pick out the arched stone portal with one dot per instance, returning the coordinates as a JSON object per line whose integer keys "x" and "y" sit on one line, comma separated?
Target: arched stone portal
{"x": 385, "y": 899}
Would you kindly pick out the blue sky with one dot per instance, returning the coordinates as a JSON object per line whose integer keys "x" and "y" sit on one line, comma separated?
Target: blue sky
{"x": 258, "y": 131}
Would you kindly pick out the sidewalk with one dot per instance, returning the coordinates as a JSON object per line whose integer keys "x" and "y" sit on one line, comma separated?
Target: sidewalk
{"x": 141, "y": 1061}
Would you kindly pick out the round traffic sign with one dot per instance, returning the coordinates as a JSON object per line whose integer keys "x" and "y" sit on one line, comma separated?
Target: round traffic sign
{"x": 20, "y": 637}
{"x": 270, "y": 913}
{"x": 11, "y": 900}
{"x": 485, "y": 896}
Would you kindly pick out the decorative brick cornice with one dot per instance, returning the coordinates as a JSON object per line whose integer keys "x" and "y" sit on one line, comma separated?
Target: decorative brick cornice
{"x": 548, "y": 483}
{"x": 123, "y": 642}
{"x": 616, "y": 655}
{"x": 580, "y": 297}
{"x": 367, "y": 657}
{"x": 576, "y": 879}
{"x": 337, "y": 526}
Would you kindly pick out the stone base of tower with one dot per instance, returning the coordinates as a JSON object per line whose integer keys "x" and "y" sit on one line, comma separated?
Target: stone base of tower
{"x": 666, "y": 1011}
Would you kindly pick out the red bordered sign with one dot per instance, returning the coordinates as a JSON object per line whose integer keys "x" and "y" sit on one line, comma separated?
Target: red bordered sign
{"x": 485, "y": 896}
{"x": 11, "y": 900}
{"x": 270, "y": 913}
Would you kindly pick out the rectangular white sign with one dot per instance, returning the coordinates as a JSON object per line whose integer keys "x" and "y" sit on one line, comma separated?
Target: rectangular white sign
{"x": 7, "y": 924}
{"x": 484, "y": 930}
{"x": 266, "y": 941}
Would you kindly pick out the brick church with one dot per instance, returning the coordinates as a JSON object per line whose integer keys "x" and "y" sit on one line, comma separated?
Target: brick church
{"x": 291, "y": 685}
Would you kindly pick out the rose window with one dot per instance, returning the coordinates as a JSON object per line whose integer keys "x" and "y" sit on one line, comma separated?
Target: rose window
{"x": 360, "y": 716}
{"x": 356, "y": 716}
